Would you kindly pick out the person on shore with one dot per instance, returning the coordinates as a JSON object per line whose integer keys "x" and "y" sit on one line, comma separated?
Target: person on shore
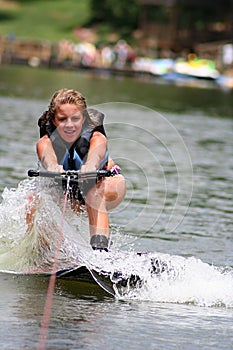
{"x": 72, "y": 137}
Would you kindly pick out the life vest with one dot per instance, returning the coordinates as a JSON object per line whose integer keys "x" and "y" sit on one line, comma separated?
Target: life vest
{"x": 72, "y": 157}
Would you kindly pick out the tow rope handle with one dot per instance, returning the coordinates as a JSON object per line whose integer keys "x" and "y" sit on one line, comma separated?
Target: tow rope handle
{"x": 77, "y": 182}
{"x": 75, "y": 174}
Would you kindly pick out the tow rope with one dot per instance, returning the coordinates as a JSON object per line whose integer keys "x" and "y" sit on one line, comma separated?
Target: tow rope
{"x": 52, "y": 281}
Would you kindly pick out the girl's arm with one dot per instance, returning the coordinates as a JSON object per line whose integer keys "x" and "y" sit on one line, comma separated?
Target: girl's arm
{"x": 47, "y": 154}
{"x": 96, "y": 153}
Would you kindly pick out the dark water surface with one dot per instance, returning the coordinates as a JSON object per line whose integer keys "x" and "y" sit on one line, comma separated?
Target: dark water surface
{"x": 175, "y": 146}
{"x": 34, "y": 84}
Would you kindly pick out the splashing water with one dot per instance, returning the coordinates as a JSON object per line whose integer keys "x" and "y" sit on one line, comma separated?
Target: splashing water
{"x": 32, "y": 247}
{"x": 166, "y": 278}
{"x": 146, "y": 276}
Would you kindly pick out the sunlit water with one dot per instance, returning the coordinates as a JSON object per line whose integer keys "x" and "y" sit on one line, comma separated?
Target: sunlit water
{"x": 178, "y": 209}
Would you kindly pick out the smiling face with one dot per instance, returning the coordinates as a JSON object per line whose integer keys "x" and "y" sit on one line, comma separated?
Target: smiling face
{"x": 69, "y": 121}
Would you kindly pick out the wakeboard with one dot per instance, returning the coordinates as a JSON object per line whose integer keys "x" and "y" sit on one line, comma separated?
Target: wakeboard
{"x": 114, "y": 284}
{"x": 83, "y": 274}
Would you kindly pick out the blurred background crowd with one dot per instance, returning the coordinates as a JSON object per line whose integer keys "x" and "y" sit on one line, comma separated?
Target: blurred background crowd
{"x": 169, "y": 38}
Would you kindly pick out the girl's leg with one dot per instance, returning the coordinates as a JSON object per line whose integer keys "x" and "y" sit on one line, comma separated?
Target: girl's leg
{"x": 104, "y": 196}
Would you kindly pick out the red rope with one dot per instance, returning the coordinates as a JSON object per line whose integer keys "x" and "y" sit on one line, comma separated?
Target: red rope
{"x": 50, "y": 292}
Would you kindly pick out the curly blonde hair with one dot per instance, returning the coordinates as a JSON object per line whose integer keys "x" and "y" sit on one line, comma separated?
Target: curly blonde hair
{"x": 64, "y": 96}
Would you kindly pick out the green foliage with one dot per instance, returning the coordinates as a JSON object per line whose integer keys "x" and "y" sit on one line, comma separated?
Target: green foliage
{"x": 115, "y": 12}
{"x": 44, "y": 19}
{"x": 117, "y": 15}
{"x": 54, "y": 20}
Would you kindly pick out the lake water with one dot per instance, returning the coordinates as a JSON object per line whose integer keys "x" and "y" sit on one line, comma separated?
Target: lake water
{"x": 174, "y": 145}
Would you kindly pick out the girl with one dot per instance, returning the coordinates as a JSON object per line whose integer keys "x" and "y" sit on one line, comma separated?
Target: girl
{"x": 73, "y": 138}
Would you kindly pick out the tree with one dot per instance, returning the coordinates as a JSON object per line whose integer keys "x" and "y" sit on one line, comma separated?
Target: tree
{"x": 118, "y": 15}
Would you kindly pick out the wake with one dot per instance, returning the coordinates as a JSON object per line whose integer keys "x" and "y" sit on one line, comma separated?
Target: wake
{"x": 135, "y": 276}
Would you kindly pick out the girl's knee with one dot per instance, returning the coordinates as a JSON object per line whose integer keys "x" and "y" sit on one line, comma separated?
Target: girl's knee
{"x": 115, "y": 191}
